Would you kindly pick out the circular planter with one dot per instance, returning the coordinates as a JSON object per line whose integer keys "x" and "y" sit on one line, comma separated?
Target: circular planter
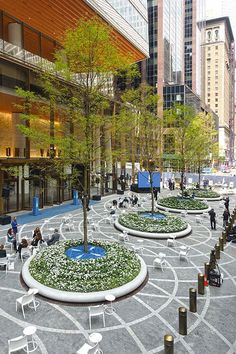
{"x": 76, "y": 297}
{"x": 155, "y": 235}
{"x": 192, "y": 211}
{"x": 209, "y": 199}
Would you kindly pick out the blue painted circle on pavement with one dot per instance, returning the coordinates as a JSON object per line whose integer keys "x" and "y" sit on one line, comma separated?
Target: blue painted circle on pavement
{"x": 155, "y": 216}
{"x": 77, "y": 253}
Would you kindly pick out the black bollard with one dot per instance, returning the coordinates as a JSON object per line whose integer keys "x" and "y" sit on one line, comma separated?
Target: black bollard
{"x": 221, "y": 243}
{"x": 168, "y": 344}
{"x": 224, "y": 237}
{"x": 201, "y": 289}
{"x": 182, "y": 321}
{"x": 217, "y": 249}
{"x": 192, "y": 300}
{"x": 206, "y": 269}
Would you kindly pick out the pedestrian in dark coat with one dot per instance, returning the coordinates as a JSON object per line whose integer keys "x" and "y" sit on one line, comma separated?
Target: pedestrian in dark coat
{"x": 226, "y": 216}
{"x": 212, "y": 219}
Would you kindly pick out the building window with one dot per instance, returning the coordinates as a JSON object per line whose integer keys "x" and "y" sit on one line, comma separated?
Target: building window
{"x": 216, "y": 110}
{"x": 216, "y": 47}
{"x": 209, "y": 100}
{"x": 216, "y": 94}
{"x": 209, "y": 48}
{"x": 208, "y": 94}
{"x": 216, "y": 35}
{"x": 209, "y": 54}
{"x": 208, "y": 36}
{"x": 208, "y": 72}
{"x": 216, "y": 88}
{"x": 216, "y": 105}
{"x": 216, "y": 100}
{"x": 216, "y": 53}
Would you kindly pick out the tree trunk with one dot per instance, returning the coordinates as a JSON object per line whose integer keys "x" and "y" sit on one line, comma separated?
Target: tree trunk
{"x": 152, "y": 193}
{"x": 84, "y": 201}
{"x": 182, "y": 183}
{"x": 199, "y": 174}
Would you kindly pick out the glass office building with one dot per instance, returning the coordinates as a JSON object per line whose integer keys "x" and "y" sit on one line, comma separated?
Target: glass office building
{"x": 30, "y": 33}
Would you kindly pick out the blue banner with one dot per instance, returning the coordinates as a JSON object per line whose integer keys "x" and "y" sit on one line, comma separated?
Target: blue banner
{"x": 144, "y": 179}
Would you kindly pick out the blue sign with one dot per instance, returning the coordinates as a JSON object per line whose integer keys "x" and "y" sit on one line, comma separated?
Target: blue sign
{"x": 35, "y": 205}
{"x": 144, "y": 179}
{"x": 75, "y": 197}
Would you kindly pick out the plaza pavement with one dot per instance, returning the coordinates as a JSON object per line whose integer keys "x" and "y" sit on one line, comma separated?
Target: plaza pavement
{"x": 140, "y": 321}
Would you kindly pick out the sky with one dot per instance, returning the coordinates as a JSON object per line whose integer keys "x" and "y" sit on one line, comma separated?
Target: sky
{"x": 220, "y": 8}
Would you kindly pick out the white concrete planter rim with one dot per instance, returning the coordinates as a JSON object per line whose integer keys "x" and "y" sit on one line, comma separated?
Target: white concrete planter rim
{"x": 199, "y": 211}
{"x": 156, "y": 235}
{"x": 70, "y": 296}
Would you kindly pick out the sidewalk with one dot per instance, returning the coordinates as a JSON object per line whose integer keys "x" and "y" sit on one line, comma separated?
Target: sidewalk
{"x": 26, "y": 217}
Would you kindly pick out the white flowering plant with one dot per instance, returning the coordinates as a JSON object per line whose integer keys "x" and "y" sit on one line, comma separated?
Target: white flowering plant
{"x": 182, "y": 203}
{"x": 140, "y": 223}
{"x": 203, "y": 193}
{"x": 51, "y": 267}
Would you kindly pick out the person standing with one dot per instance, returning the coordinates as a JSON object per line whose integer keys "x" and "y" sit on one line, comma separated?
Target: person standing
{"x": 226, "y": 216}
{"x": 227, "y": 203}
{"x": 14, "y": 225}
{"x": 212, "y": 219}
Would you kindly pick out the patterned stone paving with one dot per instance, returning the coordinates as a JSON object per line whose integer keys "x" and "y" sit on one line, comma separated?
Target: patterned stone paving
{"x": 140, "y": 321}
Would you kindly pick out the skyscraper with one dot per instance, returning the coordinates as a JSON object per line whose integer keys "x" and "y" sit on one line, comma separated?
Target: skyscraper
{"x": 218, "y": 79}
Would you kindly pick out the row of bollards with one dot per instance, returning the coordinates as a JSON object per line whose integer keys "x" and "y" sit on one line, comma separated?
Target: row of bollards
{"x": 203, "y": 280}
{"x": 169, "y": 339}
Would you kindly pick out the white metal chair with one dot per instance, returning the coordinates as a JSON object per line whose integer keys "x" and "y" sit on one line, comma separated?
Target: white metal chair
{"x": 70, "y": 226}
{"x": 123, "y": 236}
{"x": 205, "y": 215}
{"x": 231, "y": 185}
{"x": 138, "y": 247}
{"x": 184, "y": 214}
{"x": 24, "y": 300}
{"x": 18, "y": 343}
{"x": 171, "y": 242}
{"x": 96, "y": 311}
{"x": 25, "y": 253}
{"x": 89, "y": 349}
{"x": 4, "y": 262}
{"x": 159, "y": 261}
{"x": 198, "y": 220}
{"x": 95, "y": 226}
{"x": 183, "y": 253}
{"x": 8, "y": 243}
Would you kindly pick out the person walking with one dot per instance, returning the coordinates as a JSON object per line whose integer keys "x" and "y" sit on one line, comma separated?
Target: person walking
{"x": 226, "y": 203}
{"x": 226, "y": 216}
{"x": 14, "y": 225}
{"x": 212, "y": 219}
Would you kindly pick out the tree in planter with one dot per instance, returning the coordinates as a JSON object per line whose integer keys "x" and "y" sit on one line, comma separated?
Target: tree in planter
{"x": 144, "y": 129}
{"x": 76, "y": 89}
{"x": 203, "y": 137}
{"x": 178, "y": 121}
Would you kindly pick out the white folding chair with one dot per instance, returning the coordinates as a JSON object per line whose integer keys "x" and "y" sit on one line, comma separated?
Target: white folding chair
{"x": 183, "y": 253}
{"x": 18, "y": 343}
{"x": 159, "y": 261}
{"x": 4, "y": 262}
{"x": 70, "y": 226}
{"x": 96, "y": 311}
{"x": 123, "y": 236}
{"x": 171, "y": 242}
{"x": 8, "y": 243}
{"x": 24, "y": 300}
{"x": 25, "y": 253}
{"x": 138, "y": 247}
{"x": 198, "y": 220}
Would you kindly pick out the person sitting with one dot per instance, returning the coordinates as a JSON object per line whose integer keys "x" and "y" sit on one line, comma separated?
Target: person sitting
{"x": 11, "y": 237}
{"x": 37, "y": 240}
{"x": 3, "y": 252}
{"x": 23, "y": 244}
{"x": 55, "y": 238}
{"x": 36, "y": 230}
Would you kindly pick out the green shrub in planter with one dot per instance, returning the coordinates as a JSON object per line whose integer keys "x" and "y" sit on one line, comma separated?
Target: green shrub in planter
{"x": 54, "y": 269}
{"x": 203, "y": 193}
{"x": 182, "y": 203}
{"x": 137, "y": 222}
